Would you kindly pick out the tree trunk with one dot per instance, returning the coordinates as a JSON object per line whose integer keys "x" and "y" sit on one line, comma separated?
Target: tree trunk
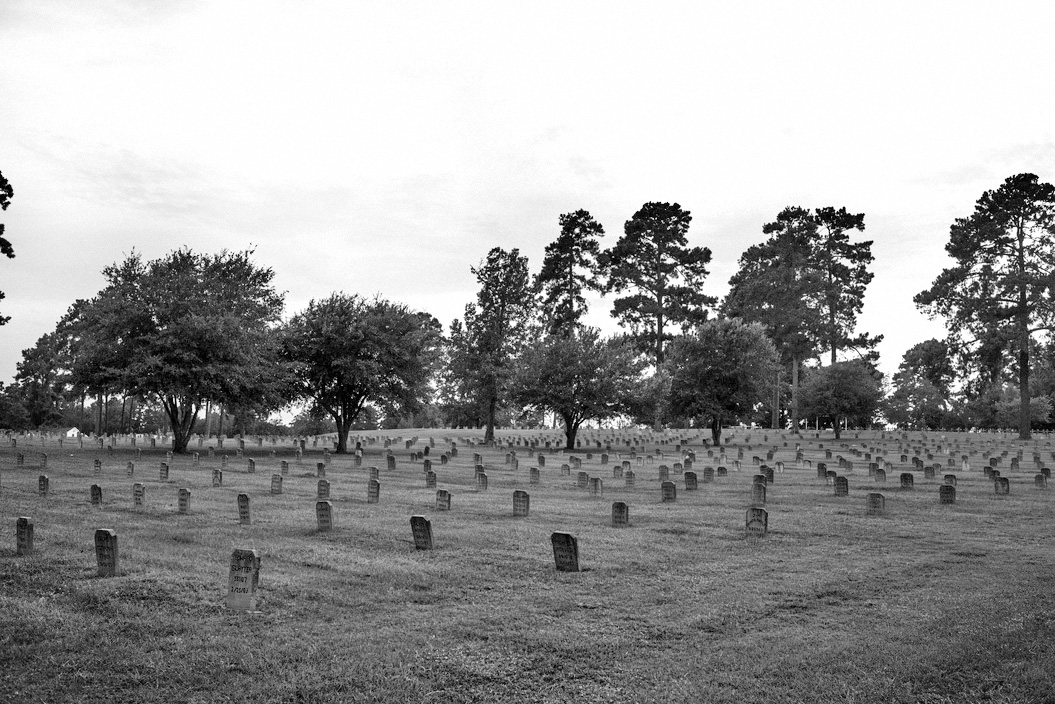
{"x": 570, "y": 430}
{"x": 716, "y": 431}
{"x": 836, "y": 424}
{"x": 795, "y": 392}
{"x": 1024, "y": 432}
{"x": 181, "y": 415}
{"x": 343, "y": 426}
{"x": 776, "y": 403}
{"x": 492, "y": 407}
{"x": 99, "y": 414}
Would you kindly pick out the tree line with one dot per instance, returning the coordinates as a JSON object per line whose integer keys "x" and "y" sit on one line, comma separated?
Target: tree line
{"x": 190, "y": 336}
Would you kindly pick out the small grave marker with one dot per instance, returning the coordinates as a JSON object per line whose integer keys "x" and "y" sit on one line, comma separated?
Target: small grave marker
{"x": 758, "y": 493}
{"x": 184, "y": 500}
{"x": 668, "y": 492}
{"x": 620, "y": 514}
{"x": 217, "y": 477}
{"x": 23, "y": 535}
{"x": 243, "y": 580}
{"x": 373, "y": 491}
{"x": 443, "y": 500}
{"x": 946, "y": 494}
{"x": 324, "y": 516}
{"x": 245, "y": 517}
{"x": 565, "y": 552}
{"x": 138, "y": 493}
{"x": 43, "y": 484}
{"x": 163, "y": 472}
{"x": 421, "y": 528}
{"x": 322, "y": 489}
{"x": 106, "y": 555}
{"x": 756, "y": 522}
{"x": 875, "y": 504}
{"x": 521, "y": 504}
{"x": 276, "y": 484}
{"x": 842, "y": 486}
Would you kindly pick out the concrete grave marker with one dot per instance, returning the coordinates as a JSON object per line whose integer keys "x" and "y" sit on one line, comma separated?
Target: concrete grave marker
{"x": 23, "y": 535}
{"x": 443, "y": 500}
{"x": 106, "y": 555}
{"x": 690, "y": 481}
{"x": 430, "y": 480}
{"x": 324, "y": 516}
{"x": 322, "y": 489}
{"x": 43, "y": 484}
{"x": 521, "y": 504}
{"x": 245, "y": 516}
{"x": 842, "y": 486}
{"x": 620, "y": 514}
{"x": 565, "y": 552}
{"x": 276, "y": 484}
{"x": 596, "y": 486}
{"x": 242, "y": 581}
{"x": 875, "y": 504}
{"x": 1002, "y": 486}
{"x": 756, "y": 522}
{"x": 668, "y": 492}
{"x": 421, "y": 529}
{"x": 163, "y": 472}
{"x": 628, "y": 478}
{"x": 96, "y": 493}
{"x": 907, "y": 480}
{"x": 184, "y": 500}
{"x": 97, "y": 466}
{"x": 949, "y": 479}
{"x": 138, "y": 493}
{"x": 373, "y": 491}
{"x": 373, "y": 473}
{"x": 217, "y": 477}
{"x": 758, "y": 493}
{"x": 946, "y": 494}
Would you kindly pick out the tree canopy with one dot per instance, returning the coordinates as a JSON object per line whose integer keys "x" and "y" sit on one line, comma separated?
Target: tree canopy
{"x": 7, "y": 192}
{"x": 720, "y": 372}
{"x": 347, "y": 352}
{"x": 998, "y": 292}
{"x": 187, "y": 328}
{"x": 579, "y": 377}
{"x": 849, "y": 391}
{"x": 661, "y": 274}
{"x": 570, "y": 268}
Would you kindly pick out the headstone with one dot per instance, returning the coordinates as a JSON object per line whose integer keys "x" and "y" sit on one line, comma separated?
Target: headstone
{"x": 43, "y": 484}
{"x": 276, "y": 484}
{"x": 97, "y": 466}
{"x": 245, "y": 518}
{"x": 758, "y": 493}
{"x": 250, "y": 465}
{"x": 1002, "y": 485}
{"x": 521, "y": 504}
{"x": 430, "y": 480}
{"x": 163, "y": 472}
{"x": 284, "y": 467}
{"x": 565, "y": 552}
{"x": 1040, "y": 481}
{"x": 533, "y": 475}
{"x": 183, "y": 504}
{"x": 324, "y": 516}
{"x": 690, "y": 481}
{"x": 323, "y": 489}
{"x": 946, "y": 494}
{"x": 320, "y": 470}
{"x": 907, "y": 480}
{"x": 243, "y": 580}
{"x": 668, "y": 492}
{"x": 23, "y": 535}
{"x": 596, "y": 486}
{"x": 96, "y": 493}
{"x": 106, "y": 555}
{"x": 628, "y": 478}
{"x": 443, "y": 500}
{"x": 373, "y": 491}
{"x": 138, "y": 493}
{"x": 875, "y": 504}
{"x": 756, "y": 522}
{"x": 842, "y": 486}
{"x": 421, "y": 528}
{"x": 217, "y": 477}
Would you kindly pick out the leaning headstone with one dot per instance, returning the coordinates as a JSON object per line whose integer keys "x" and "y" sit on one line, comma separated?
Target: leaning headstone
{"x": 565, "y": 552}
{"x": 620, "y": 514}
{"x": 421, "y": 529}
{"x": 373, "y": 491}
{"x": 106, "y": 556}
{"x": 184, "y": 500}
{"x": 756, "y": 522}
{"x": 443, "y": 500}
{"x": 243, "y": 580}
{"x": 521, "y": 503}
{"x": 875, "y": 504}
{"x": 245, "y": 517}
{"x": 946, "y": 494}
{"x": 23, "y": 535}
{"x": 324, "y": 516}
{"x": 276, "y": 484}
{"x": 668, "y": 492}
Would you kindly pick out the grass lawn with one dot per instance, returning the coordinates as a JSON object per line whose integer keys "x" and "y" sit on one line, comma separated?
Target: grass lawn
{"x": 924, "y": 603}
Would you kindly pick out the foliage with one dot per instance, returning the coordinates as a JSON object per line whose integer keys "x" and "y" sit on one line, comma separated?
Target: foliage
{"x": 850, "y": 391}
{"x": 720, "y": 372}
{"x": 663, "y": 275}
{"x": 7, "y": 192}
{"x": 928, "y": 360}
{"x": 42, "y": 378}
{"x": 569, "y": 268}
{"x": 579, "y": 377}
{"x": 484, "y": 350}
{"x": 915, "y": 403}
{"x": 997, "y": 294}
{"x": 187, "y": 328}
{"x": 348, "y": 352}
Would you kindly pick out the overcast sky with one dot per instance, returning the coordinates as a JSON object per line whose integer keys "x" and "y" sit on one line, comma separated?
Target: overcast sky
{"x": 384, "y": 147}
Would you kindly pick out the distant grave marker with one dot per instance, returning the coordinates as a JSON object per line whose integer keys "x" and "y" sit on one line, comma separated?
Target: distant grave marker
{"x": 946, "y": 494}
{"x": 842, "y": 486}
{"x": 690, "y": 481}
{"x": 43, "y": 485}
{"x": 138, "y": 494}
{"x": 96, "y": 493}
{"x": 758, "y": 493}
{"x": 668, "y": 492}
{"x": 217, "y": 477}
{"x": 163, "y": 472}
{"x": 907, "y": 480}
{"x": 276, "y": 484}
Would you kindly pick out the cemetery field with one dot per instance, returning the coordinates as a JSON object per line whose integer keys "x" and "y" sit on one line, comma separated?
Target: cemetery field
{"x": 917, "y": 602}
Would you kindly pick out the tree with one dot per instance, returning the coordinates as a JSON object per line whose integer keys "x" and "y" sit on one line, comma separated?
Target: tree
{"x": 6, "y": 194}
{"x": 348, "y": 353}
{"x": 495, "y": 329}
{"x": 42, "y": 378}
{"x": 1000, "y": 284}
{"x": 569, "y": 268}
{"x": 915, "y": 403}
{"x": 930, "y": 361}
{"x": 579, "y": 377}
{"x": 652, "y": 260}
{"x": 848, "y": 391}
{"x": 778, "y": 286}
{"x": 720, "y": 372}
{"x": 185, "y": 328}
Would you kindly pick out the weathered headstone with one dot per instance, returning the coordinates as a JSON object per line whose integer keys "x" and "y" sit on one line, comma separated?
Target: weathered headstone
{"x": 106, "y": 555}
{"x": 243, "y": 580}
{"x": 690, "y": 481}
{"x": 138, "y": 494}
{"x": 756, "y": 522}
{"x": 276, "y": 484}
{"x": 596, "y": 486}
{"x": 842, "y": 486}
{"x": 23, "y": 535}
{"x": 97, "y": 466}
{"x": 628, "y": 478}
{"x": 163, "y": 472}
{"x": 946, "y": 494}
{"x": 324, "y": 516}
{"x": 875, "y": 504}
{"x": 758, "y": 493}
{"x": 43, "y": 484}
{"x": 245, "y": 517}
{"x": 430, "y": 480}
{"x": 443, "y": 500}
{"x": 907, "y": 480}
{"x": 373, "y": 491}
{"x": 668, "y": 492}
{"x": 521, "y": 503}
{"x": 949, "y": 479}
{"x": 421, "y": 529}
{"x": 184, "y": 500}
{"x": 1002, "y": 485}
{"x": 565, "y": 552}
{"x": 217, "y": 477}
{"x": 96, "y": 494}
{"x": 323, "y": 489}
